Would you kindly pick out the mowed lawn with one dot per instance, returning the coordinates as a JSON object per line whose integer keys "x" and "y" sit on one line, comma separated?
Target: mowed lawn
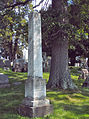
{"x": 66, "y": 104}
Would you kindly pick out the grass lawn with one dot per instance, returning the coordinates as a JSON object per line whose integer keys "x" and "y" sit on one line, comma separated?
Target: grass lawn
{"x": 67, "y": 104}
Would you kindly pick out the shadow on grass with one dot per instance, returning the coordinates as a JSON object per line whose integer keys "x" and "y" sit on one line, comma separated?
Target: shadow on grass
{"x": 77, "y": 109}
{"x": 85, "y": 92}
{"x": 14, "y": 76}
{"x": 10, "y": 98}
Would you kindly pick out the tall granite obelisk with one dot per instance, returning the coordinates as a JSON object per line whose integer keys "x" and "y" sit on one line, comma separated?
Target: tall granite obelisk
{"x": 35, "y": 103}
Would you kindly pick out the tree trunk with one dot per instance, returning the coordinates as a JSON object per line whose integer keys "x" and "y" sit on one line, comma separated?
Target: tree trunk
{"x": 10, "y": 51}
{"x": 15, "y": 48}
{"x": 59, "y": 74}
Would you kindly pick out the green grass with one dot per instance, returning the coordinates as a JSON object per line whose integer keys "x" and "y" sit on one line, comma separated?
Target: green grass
{"x": 67, "y": 104}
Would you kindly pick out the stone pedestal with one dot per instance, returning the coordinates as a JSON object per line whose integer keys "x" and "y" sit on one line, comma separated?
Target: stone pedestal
{"x": 39, "y": 111}
{"x": 35, "y": 103}
{"x": 2, "y": 63}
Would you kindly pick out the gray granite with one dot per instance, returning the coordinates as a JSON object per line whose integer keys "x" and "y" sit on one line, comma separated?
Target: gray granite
{"x": 84, "y": 74}
{"x": 2, "y": 63}
{"x": 35, "y": 46}
{"x": 4, "y": 82}
{"x": 7, "y": 63}
{"x": 5, "y": 85}
{"x": 35, "y": 88}
{"x": 39, "y": 111}
{"x": 3, "y": 79}
{"x": 17, "y": 83}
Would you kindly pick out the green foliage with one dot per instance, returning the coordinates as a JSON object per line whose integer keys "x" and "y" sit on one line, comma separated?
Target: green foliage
{"x": 75, "y": 26}
{"x": 13, "y": 28}
{"x": 13, "y": 31}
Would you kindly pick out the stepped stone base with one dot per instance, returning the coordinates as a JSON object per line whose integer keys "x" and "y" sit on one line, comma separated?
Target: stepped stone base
{"x": 26, "y": 109}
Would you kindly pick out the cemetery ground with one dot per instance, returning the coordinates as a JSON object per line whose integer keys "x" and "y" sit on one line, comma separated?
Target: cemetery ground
{"x": 67, "y": 104}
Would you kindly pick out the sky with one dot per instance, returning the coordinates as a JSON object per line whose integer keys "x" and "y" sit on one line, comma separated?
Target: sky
{"x": 44, "y": 4}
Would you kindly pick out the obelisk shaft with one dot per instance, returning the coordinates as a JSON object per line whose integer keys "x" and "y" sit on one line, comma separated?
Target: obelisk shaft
{"x": 35, "y": 46}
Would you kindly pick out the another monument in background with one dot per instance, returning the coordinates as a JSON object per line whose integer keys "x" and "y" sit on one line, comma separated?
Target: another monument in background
{"x": 4, "y": 82}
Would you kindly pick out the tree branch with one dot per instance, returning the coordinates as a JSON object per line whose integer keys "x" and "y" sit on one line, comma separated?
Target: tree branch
{"x": 21, "y": 3}
{"x": 38, "y": 4}
{"x": 59, "y": 31}
{"x": 17, "y": 3}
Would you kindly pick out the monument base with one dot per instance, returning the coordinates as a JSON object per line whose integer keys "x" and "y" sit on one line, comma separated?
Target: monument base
{"x": 42, "y": 109}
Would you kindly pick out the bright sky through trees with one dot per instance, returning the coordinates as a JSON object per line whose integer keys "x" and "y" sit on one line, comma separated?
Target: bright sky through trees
{"x": 45, "y": 4}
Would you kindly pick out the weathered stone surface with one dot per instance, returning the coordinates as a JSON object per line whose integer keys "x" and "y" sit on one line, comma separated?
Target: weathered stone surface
{"x": 6, "y": 68}
{"x": 84, "y": 74}
{"x": 35, "y": 46}
{"x": 3, "y": 78}
{"x": 25, "y": 67}
{"x": 35, "y": 88}
{"x": 17, "y": 83}
{"x": 5, "y": 85}
{"x": 46, "y": 63}
{"x": 20, "y": 65}
{"x": 4, "y": 82}
{"x": 35, "y": 103}
{"x": 2, "y": 63}
{"x": 7, "y": 63}
{"x": 18, "y": 68}
{"x": 39, "y": 111}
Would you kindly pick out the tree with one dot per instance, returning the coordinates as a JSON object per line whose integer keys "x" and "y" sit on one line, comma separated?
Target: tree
{"x": 60, "y": 29}
{"x": 59, "y": 73}
{"x": 77, "y": 48}
{"x": 79, "y": 35}
{"x": 13, "y": 31}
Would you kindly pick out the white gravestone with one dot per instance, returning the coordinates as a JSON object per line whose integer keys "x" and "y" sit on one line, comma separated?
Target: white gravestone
{"x": 35, "y": 47}
{"x": 25, "y": 54}
{"x": 35, "y": 103}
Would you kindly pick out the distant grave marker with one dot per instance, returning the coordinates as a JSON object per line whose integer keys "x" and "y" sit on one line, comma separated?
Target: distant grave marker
{"x": 2, "y": 63}
{"x": 84, "y": 74}
{"x": 4, "y": 82}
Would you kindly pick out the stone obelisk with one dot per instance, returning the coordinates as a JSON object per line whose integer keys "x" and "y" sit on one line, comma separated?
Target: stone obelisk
{"x": 35, "y": 103}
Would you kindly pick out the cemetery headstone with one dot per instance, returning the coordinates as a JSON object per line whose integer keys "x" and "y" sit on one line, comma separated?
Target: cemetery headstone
{"x": 2, "y": 63}
{"x": 18, "y": 65}
{"x": 4, "y": 82}
{"x": 35, "y": 103}
{"x": 25, "y": 67}
{"x": 8, "y": 63}
{"x": 84, "y": 74}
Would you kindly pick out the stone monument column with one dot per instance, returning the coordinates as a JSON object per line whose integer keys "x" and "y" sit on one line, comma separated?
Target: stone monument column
{"x": 35, "y": 103}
